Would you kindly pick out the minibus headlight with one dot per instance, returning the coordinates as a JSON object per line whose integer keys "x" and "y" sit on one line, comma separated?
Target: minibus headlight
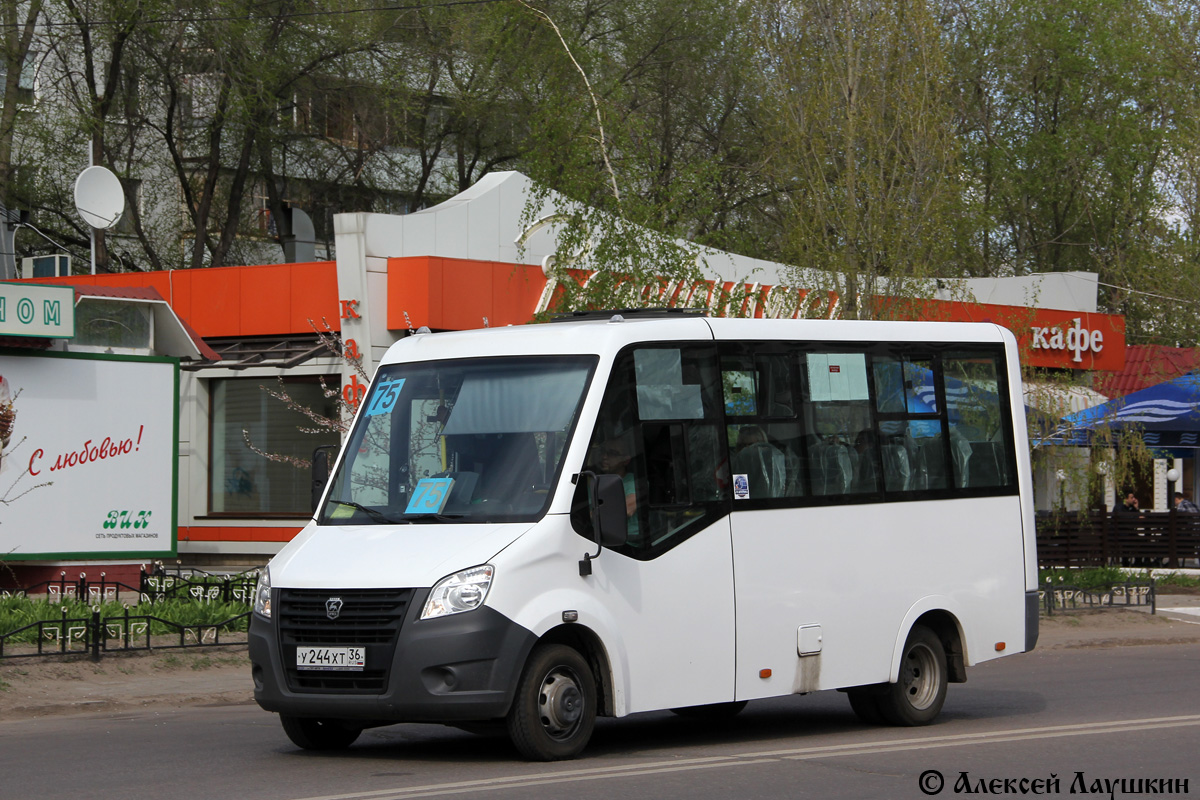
{"x": 262, "y": 594}
{"x": 462, "y": 591}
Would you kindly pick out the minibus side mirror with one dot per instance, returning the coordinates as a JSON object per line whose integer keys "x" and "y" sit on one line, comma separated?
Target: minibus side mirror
{"x": 320, "y": 472}
{"x": 608, "y": 515}
{"x": 606, "y": 508}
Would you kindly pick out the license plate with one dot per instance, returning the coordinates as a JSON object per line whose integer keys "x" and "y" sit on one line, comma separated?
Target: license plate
{"x": 332, "y": 658}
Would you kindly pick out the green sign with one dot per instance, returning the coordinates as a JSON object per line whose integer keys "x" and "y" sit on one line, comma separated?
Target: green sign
{"x": 35, "y": 310}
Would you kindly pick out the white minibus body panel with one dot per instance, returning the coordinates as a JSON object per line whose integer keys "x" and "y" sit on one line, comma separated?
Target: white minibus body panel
{"x": 541, "y": 524}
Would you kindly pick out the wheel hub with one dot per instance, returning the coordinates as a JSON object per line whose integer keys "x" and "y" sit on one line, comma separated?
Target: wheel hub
{"x": 560, "y": 704}
{"x": 920, "y": 677}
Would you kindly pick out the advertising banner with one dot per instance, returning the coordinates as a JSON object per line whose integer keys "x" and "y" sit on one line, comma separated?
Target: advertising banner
{"x": 42, "y": 311}
{"x": 88, "y": 456}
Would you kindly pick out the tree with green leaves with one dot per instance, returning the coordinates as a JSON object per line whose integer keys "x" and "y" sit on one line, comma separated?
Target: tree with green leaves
{"x": 645, "y": 122}
{"x": 1069, "y": 114}
{"x": 865, "y": 149}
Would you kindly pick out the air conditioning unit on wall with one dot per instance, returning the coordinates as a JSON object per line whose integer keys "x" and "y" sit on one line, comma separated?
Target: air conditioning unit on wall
{"x": 57, "y": 265}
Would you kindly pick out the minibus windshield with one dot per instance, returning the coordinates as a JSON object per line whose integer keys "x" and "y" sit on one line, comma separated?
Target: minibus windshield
{"x": 462, "y": 441}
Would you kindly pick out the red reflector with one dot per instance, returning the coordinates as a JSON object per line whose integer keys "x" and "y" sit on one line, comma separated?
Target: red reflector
{"x": 764, "y": 673}
{"x": 1000, "y": 646}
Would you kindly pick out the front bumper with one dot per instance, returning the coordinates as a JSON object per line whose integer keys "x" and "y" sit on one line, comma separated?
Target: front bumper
{"x": 463, "y": 667}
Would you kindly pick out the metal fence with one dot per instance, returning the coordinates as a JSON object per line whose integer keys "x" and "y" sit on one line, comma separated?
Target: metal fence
{"x": 155, "y": 584}
{"x": 1123, "y": 595}
{"x": 95, "y": 634}
{"x": 1103, "y": 538}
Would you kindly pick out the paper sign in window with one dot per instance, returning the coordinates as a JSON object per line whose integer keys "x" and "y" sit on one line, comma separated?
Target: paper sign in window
{"x": 661, "y": 392}
{"x": 837, "y": 376}
{"x": 429, "y": 496}
{"x": 384, "y": 398}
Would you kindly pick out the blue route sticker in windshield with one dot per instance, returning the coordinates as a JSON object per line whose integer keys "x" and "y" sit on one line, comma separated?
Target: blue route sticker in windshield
{"x": 429, "y": 496}
{"x": 384, "y": 398}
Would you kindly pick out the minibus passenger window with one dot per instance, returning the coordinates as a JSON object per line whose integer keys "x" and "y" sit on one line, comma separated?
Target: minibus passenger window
{"x": 980, "y": 455}
{"x": 765, "y": 441}
{"x": 911, "y": 436}
{"x": 740, "y": 393}
{"x": 842, "y": 455}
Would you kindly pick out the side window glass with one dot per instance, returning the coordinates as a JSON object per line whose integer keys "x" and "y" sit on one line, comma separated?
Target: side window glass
{"x": 978, "y": 445}
{"x": 840, "y": 439}
{"x": 911, "y": 438}
{"x": 765, "y": 442}
{"x": 659, "y": 429}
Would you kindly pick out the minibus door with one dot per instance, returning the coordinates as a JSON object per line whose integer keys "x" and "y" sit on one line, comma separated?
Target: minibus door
{"x": 669, "y": 587}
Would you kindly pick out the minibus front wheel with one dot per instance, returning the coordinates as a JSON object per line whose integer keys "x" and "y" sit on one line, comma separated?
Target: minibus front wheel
{"x": 554, "y": 710}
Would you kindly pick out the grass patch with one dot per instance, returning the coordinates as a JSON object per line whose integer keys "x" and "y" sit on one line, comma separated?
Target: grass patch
{"x": 1105, "y": 577}
{"x": 1177, "y": 580}
{"x": 1089, "y": 578}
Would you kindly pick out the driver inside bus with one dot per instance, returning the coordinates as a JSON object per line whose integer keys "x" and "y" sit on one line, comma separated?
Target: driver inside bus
{"x": 615, "y": 455}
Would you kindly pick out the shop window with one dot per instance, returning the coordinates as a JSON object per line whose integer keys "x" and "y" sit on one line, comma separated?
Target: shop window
{"x": 113, "y": 324}
{"x": 245, "y": 483}
{"x": 27, "y": 82}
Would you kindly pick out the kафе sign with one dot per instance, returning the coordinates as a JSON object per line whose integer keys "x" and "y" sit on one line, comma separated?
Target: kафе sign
{"x": 89, "y": 467}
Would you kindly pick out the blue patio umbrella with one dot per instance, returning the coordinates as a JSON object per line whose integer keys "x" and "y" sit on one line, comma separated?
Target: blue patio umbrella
{"x": 1167, "y": 414}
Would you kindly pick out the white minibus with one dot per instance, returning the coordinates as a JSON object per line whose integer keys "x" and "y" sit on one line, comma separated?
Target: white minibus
{"x": 631, "y": 511}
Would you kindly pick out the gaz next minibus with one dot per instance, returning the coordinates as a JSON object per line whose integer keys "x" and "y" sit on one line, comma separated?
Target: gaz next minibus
{"x": 624, "y": 512}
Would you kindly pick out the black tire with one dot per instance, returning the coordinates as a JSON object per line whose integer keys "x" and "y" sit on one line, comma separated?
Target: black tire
{"x": 713, "y": 712}
{"x": 554, "y": 711}
{"x": 917, "y": 697}
{"x": 319, "y": 734}
{"x": 864, "y": 700}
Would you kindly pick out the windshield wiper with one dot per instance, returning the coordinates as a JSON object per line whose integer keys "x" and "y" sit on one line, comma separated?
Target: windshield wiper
{"x": 374, "y": 514}
{"x": 427, "y": 517}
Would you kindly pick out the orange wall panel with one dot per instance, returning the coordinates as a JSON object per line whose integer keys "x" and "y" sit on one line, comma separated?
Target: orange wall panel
{"x": 215, "y": 301}
{"x": 314, "y": 296}
{"x": 457, "y": 294}
{"x": 232, "y": 533}
{"x": 515, "y": 293}
{"x": 266, "y": 300}
{"x": 408, "y": 282}
{"x": 466, "y": 294}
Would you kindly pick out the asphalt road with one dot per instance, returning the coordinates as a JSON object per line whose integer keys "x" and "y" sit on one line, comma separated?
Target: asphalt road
{"x": 1071, "y": 719}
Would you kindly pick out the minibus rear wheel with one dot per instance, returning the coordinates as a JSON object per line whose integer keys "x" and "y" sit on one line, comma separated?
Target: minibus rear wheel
{"x": 554, "y": 711}
{"x": 319, "y": 734}
{"x": 917, "y": 697}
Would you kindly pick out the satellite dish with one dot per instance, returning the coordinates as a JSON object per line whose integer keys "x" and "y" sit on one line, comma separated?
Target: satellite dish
{"x": 99, "y": 198}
